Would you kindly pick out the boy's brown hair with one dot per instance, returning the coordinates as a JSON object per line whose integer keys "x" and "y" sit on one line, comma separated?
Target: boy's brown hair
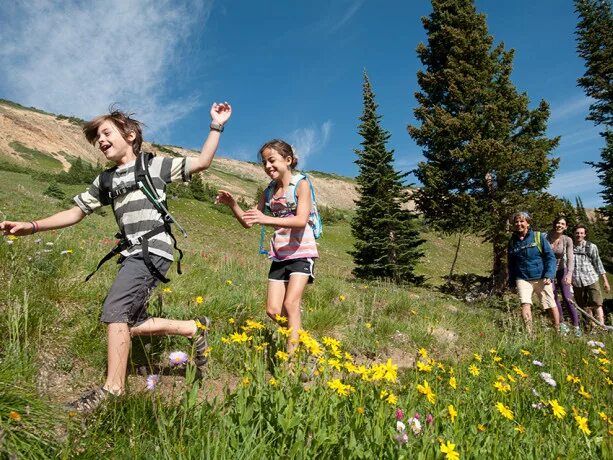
{"x": 124, "y": 123}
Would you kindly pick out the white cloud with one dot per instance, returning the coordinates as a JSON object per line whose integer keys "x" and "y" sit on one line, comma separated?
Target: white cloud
{"x": 76, "y": 58}
{"x": 572, "y": 183}
{"x": 578, "y": 105}
{"x": 347, "y": 15}
{"x": 309, "y": 140}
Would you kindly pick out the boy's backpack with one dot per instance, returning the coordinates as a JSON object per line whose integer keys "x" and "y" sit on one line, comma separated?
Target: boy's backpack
{"x": 315, "y": 221}
{"x": 145, "y": 184}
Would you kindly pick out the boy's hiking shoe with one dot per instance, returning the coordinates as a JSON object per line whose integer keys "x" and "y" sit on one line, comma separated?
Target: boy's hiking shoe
{"x": 90, "y": 400}
{"x": 201, "y": 341}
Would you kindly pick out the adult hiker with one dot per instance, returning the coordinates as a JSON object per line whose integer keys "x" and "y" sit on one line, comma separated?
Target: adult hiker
{"x": 532, "y": 266}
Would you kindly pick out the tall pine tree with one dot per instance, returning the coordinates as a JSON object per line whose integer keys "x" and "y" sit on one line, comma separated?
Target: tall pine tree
{"x": 387, "y": 239}
{"x": 486, "y": 153}
{"x": 595, "y": 46}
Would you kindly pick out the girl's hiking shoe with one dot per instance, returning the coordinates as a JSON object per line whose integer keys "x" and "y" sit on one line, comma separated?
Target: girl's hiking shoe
{"x": 90, "y": 400}
{"x": 201, "y": 341}
{"x": 578, "y": 332}
{"x": 564, "y": 329}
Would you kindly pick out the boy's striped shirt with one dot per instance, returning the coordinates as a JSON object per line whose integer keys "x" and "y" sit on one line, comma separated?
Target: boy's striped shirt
{"x": 134, "y": 213}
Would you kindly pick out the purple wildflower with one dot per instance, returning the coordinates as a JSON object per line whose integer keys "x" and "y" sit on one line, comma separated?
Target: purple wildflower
{"x": 402, "y": 439}
{"x": 399, "y": 414}
{"x": 177, "y": 358}
{"x": 152, "y": 381}
{"x": 429, "y": 419}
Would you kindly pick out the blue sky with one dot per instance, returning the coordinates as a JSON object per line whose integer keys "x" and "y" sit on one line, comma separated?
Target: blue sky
{"x": 290, "y": 69}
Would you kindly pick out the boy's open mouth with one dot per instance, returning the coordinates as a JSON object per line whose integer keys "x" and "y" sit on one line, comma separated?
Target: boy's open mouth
{"x": 104, "y": 148}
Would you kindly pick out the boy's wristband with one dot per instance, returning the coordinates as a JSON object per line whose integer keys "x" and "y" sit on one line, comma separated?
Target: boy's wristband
{"x": 34, "y": 227}
{"x": 216, "y": 127}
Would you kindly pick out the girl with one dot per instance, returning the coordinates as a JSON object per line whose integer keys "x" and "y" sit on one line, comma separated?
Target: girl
{"x": 562, "y": 246}
{"x": 292, "y": 246}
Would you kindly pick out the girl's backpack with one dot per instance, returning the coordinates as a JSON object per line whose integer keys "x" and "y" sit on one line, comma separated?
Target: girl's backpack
{"x": 290, "y": 196}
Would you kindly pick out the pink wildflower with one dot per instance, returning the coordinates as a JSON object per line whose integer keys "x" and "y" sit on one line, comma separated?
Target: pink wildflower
{"x": 417, "y": 416}
{"x": 429, "y": 419}
{"x": 399, "y": 414}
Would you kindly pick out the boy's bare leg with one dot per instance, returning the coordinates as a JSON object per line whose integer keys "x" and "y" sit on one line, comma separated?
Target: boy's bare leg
{"x": 599, "y": 314}
{"x": 118, "y": 349}
{"x": 163, "y": 326}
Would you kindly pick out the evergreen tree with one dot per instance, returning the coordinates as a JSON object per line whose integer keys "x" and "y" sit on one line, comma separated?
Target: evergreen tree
{"x": 595, "y": 46}
{"x": 54, "y": 191}
{"x": 486, "y": 151}
{"x": 387, "y": 239}
{"x": 196, "y": 186}
{"x": 580, "y": 212}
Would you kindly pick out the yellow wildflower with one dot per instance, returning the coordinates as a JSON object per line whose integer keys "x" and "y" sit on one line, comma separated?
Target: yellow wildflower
{"x": 453, "y": 413}
{"x": 341, "y": 298}
{"x": 199, "y": 299}
{"x": 609, "y": 381}
{"x": 493, "y": 351}
{"x": 449, "y": 451}
{"x": 231, "y": 321}
{"x": 422, "y": 367}
{"x": 519, "y": 372}
{"x": 225, "y": 340}
{"x": 525, "y": 352}
{"x": 282, "y": 355}
{"x": 335, "y": 363}
{"x": 572, "y": 378}
{"x": 426, "y": 390}
{"x": 558, "y": 410}
{"x": 199, "y": 325}
{"x": 340, "y": 387}
{"x": 273, "y": 381}
{"x": 166, "y": 290}
{"x": 229, "y": 282}
{"x": 240, "y": 338}
{"x": 604, "y": 361}
{"x": 511, "y": 379}
{"x": 423, "y": 352}
{"x": 368, "y": 325}
{"x": 582, "y": 422}
{"x": 11, "y": 238}
{"x": 453, "y": 383}
{"x": 392, "y": 399}
{"x": 584, "y": 393}
{"x": 502, "y": 387}
{"x": 477, "y": 357}
{"x": 504, "y": 411}
{"x": 250, "y": 324}
{"x": 442, "y": 367}
{"x": 246, "y": 381}
{"x": 520, "y": 429}
{"x": 497, "y": 359}
{"x": 285, "y": 331}
{"x": 360, "y": 410}
{"x": 481, "y": 427}
{"x": 14, "y": 415}
{"x": 330, "y": 342}
{"x": 474, "y": 370}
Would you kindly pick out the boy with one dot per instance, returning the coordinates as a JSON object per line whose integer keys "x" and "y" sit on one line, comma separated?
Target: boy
{"x": 147, "y": 257}
{"x": 588, "y": 267}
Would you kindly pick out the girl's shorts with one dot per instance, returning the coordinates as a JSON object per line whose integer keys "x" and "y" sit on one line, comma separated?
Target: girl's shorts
{"x": 282, "y": 270}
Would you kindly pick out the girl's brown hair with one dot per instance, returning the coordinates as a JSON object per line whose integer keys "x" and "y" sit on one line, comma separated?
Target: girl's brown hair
{"x": 124, "y": 123}
{"x": 282, "y": 148}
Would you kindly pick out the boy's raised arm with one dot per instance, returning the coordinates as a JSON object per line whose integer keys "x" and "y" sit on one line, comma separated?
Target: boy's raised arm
{"x": 220, "y": 113}
{"x": 62, "y": 219}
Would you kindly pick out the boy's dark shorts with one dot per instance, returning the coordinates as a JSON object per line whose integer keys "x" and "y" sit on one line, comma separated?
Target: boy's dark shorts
{"x": 588, "y": 296}
{"x": 281, "y": 271}
{"x": 128, "y": 297}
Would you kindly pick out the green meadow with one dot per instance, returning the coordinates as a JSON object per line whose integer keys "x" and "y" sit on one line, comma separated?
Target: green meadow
{"x": 463, "y": 379}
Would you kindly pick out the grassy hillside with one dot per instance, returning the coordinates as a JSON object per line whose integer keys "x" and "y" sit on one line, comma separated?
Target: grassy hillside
{"x": 249, "y": 403}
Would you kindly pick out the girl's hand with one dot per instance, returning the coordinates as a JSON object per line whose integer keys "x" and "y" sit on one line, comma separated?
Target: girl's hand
{"x": 16, "y": 228}
{"x": 220, "y": 113}
{"x": 254, "y": 216}
{"x": 224, "y": 197}
{"x": 568, "y": 279}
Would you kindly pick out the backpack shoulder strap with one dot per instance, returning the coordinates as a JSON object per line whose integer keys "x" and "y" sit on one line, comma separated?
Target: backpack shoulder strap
{"x": 538, "y": 241}
{"x": 290, "y": 195}
{"x": 106, "y": 185}
{"x": 268, "y": 191}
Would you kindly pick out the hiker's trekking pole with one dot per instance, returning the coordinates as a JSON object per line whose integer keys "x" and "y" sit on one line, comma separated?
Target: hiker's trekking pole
{"x": 594, "y": 320}
{"x": 159, "y": 204}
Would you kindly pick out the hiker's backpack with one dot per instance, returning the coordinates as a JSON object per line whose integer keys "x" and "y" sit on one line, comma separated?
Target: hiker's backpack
{"x": 143, "y": 183}
{"x": 292, "y": 203}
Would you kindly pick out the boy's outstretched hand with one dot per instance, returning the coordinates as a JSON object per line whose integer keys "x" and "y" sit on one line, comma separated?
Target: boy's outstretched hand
{"x": 220, "y": 113}
{"x": 16, "y": 228}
